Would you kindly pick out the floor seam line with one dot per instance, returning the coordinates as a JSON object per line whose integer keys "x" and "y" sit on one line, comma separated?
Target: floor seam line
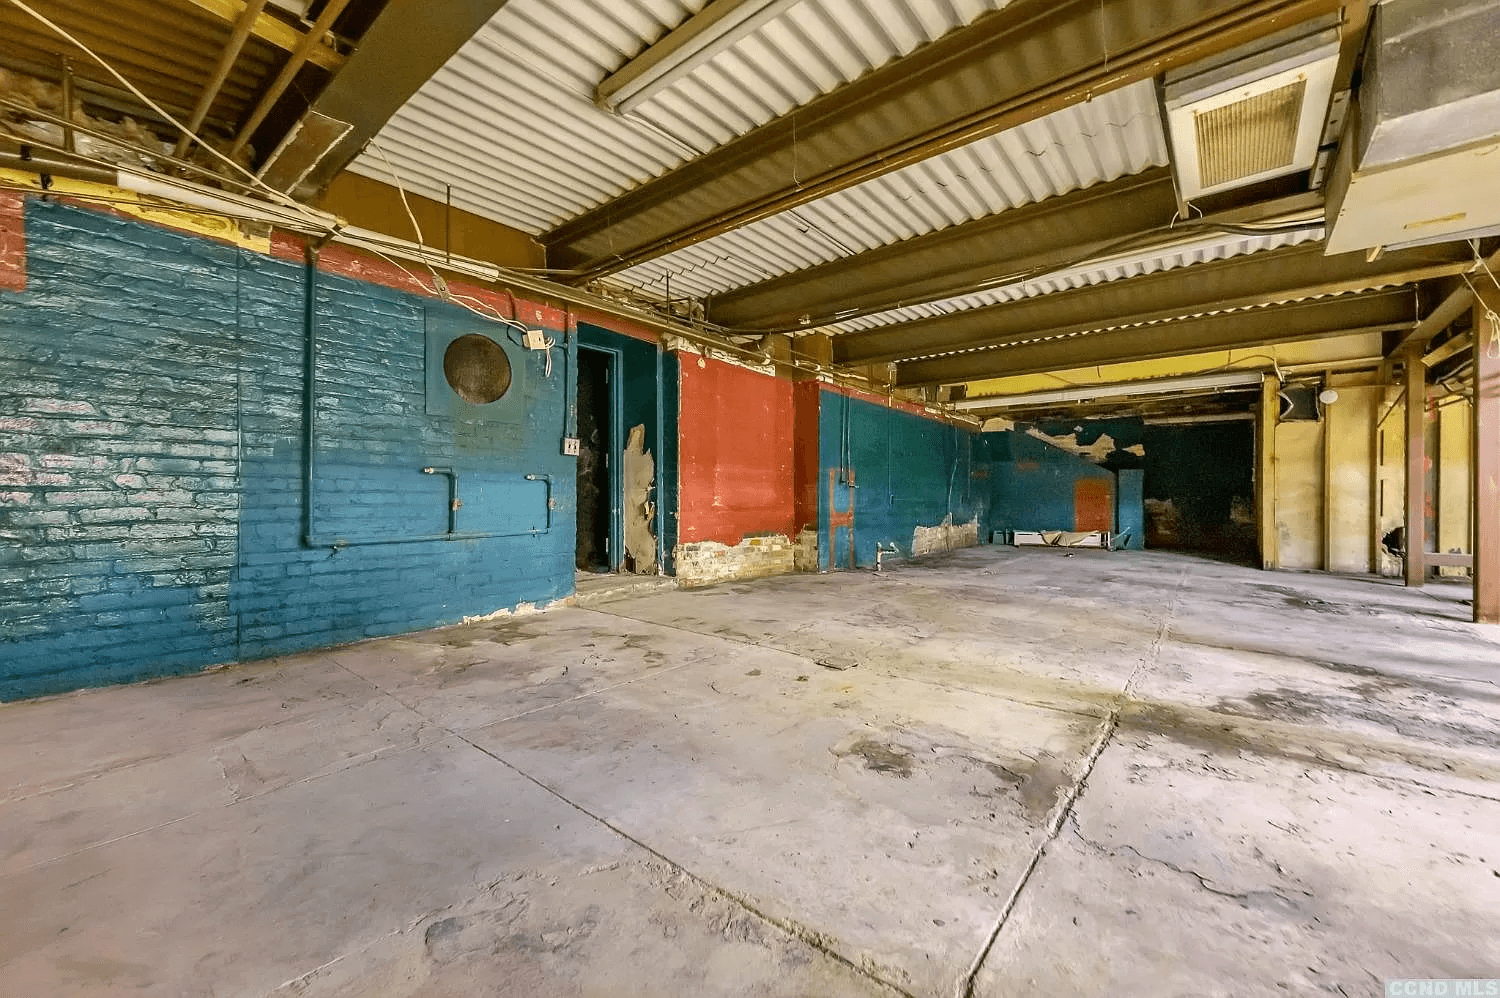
{"x": 805, "y": 936}
{"x": 965, "y": 988}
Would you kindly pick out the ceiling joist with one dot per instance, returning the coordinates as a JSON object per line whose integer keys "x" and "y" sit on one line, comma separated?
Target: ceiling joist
{"x": 271, "y": 29}
{"x": 990, "y": 250}
{"x": 397, "y": 54}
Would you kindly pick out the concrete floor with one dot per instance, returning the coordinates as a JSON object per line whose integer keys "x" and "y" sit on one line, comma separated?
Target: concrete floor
{"x": 1007, "y": 772}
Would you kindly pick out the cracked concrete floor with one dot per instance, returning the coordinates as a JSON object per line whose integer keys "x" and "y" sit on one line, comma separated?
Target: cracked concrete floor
{"x": 996, "y": 772}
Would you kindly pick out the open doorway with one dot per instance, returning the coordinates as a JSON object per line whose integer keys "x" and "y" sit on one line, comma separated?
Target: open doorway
{"x": 597, "y": 430}
{"x": 1200, "y": 489}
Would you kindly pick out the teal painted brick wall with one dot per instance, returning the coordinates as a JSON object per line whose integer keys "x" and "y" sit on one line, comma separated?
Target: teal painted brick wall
{"x": 909, "y": 471}
{"x": 1034, "y": 483}
{"x": 151, "y": 463}
{"x": 119, "y": 497}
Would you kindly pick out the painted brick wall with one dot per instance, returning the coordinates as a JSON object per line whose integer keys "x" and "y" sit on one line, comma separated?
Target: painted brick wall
{"x": 1034, "y": 484}
{"x": 119, "y": 500}
{"x": 372, "y": 437}
{"x": 12, "y": 242}
{"x": 909, "y": 472}
{"x": 736, "y": 452}
{"x": 152, "y": 390}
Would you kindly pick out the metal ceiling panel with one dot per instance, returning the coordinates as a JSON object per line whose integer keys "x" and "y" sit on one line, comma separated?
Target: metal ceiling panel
{"x": 511, "y": 125}
{"x": 1115, "y": 135}
{"x": 1186, "y": 255}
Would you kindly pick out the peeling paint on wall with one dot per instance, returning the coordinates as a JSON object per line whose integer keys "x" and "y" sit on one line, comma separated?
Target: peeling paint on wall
{"x": 946, "y": 536}
{"x": 1097, "y": 451}
{"x": 639, "y": 472}
{"x": 12, "y": 243}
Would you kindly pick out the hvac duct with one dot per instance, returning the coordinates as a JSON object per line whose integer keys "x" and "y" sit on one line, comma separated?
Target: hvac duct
{"x": 1420, "y": 160}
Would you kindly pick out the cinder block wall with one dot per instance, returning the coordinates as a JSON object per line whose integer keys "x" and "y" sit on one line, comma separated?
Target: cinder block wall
{"x": 152, "y": 402}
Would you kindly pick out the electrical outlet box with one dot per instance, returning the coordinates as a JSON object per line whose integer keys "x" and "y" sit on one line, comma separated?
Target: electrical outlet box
{"x": 570, "y": 446}
{"x": 534, "y": 339}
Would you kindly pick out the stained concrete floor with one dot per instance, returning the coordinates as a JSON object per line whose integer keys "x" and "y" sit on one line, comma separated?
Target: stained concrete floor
{"x": 997, "y": 772}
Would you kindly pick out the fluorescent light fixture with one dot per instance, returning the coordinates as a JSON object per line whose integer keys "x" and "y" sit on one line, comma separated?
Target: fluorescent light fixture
{"x": 1211, "y": 417}
{"x": 683, "y": 49}
{"x": 1120, "y": 389}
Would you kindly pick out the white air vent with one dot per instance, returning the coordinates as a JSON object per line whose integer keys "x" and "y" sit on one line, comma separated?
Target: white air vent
{"x": 1256, "y": 116}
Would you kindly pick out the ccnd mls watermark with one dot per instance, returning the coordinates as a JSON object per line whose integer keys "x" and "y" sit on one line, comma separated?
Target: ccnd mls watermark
{"x": 1434, "y": 988}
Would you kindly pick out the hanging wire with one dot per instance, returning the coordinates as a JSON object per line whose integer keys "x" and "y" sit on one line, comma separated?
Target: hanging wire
{"x": 275, "y": 195}
{"x": 1491, "y": 348}
{"x": 440, "y": 286}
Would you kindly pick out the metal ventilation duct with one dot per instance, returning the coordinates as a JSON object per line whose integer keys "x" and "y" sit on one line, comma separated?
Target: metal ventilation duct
{"x": 1421, "y": 160}
{"x": 1252, "y": 114}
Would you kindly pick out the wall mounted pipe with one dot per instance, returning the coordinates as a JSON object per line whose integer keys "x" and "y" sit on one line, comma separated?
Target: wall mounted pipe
{"x": 310, "y": 536}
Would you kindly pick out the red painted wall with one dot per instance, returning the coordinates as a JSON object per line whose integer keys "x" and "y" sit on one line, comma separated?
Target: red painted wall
{"x": 1093, "y": 504}
{"x": 736, "y": 453}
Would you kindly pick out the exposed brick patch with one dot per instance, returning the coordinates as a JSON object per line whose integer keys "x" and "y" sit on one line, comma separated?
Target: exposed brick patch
{"x": 703, "y": 563}
{"x": 946, "y": 536}
{"x": 12, "y": 242}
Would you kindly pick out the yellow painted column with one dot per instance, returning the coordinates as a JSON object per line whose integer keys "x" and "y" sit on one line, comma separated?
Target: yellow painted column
{"x": 1265, "y": 472}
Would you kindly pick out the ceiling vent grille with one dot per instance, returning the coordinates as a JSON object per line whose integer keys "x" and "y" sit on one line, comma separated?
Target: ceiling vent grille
{"x": 1252, "y": 116}
{"x": 1252, "y": 136}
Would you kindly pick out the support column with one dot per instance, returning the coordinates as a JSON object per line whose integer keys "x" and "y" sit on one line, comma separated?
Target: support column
{"x": 1415, "y": 380}
{"x": 1328, "y": 497}
{"x": 1265, "y": 472}
{"x": 1486, "y": 443}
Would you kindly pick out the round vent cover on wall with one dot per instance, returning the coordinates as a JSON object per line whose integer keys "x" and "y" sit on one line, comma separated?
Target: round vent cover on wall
{"x": 476, "y": 369}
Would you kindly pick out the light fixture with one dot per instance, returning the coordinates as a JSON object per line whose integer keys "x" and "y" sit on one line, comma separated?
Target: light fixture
{"x": 1328, "y": 396}
{"x": 1122, "y": 389}
{"x": 693, "y": 42}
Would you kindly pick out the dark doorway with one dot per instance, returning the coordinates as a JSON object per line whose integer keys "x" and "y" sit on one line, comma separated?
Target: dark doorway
{"x": 595, "y": 442}
{"x": 1200, "y": 489}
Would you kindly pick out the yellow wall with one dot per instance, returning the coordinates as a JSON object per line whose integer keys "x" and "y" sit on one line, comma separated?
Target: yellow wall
{"x": 1455, "y": 430}
{"x": 1347, "y": 433}
{"x": 1299, "y": 493}
{"x": 1339, "y": 484}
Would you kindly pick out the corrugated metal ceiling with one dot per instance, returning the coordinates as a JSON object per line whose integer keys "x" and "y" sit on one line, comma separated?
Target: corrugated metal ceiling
{"x": 511, "y": 125}
{"x": 1187, "y": 254}
{"x": 1115, "y": 135}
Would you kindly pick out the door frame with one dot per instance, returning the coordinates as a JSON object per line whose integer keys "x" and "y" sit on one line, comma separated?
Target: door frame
{"x": 615, "y": 453}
